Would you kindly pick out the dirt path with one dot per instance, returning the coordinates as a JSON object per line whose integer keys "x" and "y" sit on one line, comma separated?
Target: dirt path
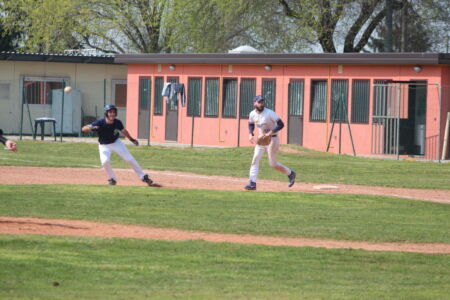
{"x": 172, "y": 179}
{"x": 84, "y": 228}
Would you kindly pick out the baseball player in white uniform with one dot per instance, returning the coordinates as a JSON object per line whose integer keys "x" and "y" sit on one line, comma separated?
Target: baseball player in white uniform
{"x": 268, "y": 124}
{"x": 109, "y": 130}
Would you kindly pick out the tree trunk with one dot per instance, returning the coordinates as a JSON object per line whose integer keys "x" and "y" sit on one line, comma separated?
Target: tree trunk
{"x": 403, "y": 29}
{"x": 388, "y": 37}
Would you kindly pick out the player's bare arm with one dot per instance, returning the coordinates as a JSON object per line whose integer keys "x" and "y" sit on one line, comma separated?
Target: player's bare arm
{"x": 10, "y": 145}
{"x": 89, "y": 128}
{"x": 129, "y": 137}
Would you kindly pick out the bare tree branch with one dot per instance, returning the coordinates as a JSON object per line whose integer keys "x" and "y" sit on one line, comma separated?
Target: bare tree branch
{"x": 373, "y": 25}
{"x": 94, "y": 46}
{"x": 366, "y": 12}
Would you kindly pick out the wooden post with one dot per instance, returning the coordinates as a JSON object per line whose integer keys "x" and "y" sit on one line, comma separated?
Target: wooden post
{"x": 446, "y": 137}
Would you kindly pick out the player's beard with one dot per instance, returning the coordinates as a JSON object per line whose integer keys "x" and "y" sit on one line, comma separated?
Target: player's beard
{"x": 260, "y": 109}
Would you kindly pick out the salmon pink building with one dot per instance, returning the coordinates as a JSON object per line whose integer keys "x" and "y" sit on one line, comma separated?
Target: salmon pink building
{"x": 364, "y": 104}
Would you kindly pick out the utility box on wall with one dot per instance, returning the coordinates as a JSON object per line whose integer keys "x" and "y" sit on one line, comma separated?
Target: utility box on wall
{"x": 72, "y": 111}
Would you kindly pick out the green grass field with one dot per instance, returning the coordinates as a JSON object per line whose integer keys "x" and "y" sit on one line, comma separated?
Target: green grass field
{"x": 312, "y": 166}
{"x": 45, "y": 267}
{"x": 348, "y": 217}
{"x": 87, "y": 268}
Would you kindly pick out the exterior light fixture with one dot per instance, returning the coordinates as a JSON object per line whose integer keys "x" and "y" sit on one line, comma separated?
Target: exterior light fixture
{"x": 418, "y": 69}
{"x": 172, "y": 68}
{"x": 268, "y": 67}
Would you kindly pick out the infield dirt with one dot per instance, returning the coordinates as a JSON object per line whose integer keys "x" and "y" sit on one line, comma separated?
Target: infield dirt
{"x": 10, "y": 225}
{"x": 172, "y": 179}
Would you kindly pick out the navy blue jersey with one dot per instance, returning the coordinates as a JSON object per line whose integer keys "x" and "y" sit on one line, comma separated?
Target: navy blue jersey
{"x": 108, "y": 133}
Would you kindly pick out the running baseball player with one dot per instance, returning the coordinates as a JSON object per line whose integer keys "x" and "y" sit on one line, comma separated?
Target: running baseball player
{"x": 109, "y": 130}
{"x": 268, "y": 124}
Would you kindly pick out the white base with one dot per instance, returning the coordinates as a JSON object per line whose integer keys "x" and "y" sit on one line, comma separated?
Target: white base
{"x": 325, "y": 187}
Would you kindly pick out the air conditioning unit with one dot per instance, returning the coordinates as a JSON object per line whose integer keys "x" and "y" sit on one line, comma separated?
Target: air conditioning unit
{"x": 71, "y": 116}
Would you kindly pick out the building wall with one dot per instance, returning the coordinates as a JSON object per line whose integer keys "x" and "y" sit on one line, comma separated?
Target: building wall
{"x": 93, "y": 80}
{"x": 224, "y": 132}
{"x": 445, "y": 103}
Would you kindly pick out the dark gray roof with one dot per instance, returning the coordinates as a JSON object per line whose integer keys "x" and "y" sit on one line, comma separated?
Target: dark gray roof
{"x": 310, "y": 58}
{"x": 55, "y": 57}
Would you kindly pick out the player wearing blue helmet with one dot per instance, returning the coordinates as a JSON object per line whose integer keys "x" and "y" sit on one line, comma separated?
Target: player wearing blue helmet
{"x": 109, "y": 129}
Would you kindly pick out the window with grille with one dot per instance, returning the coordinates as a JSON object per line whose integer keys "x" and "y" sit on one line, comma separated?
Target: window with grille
{"x": 229, "y": 98}
{"x": 145, "y": 86}
{"x": 339, "y": 100}
{"x": 268, "y": 92}
{"x": 40, "y": 90}
{"x": 194, "y": 96}
{"x": 380, "y": 99}
{"x": 360, "y": 101}
{"x": 157, "y": 106}
{"x": 296, "y": 91}
{"x": 212, "y": 97}
{"x": 318, "y": 100}
{"x": 247, "y": 93}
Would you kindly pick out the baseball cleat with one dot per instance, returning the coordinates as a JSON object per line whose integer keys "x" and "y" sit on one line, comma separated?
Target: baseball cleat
{"x": 112, "y": 181}
{"x": 291, "y": 178}
{"x": 251, "y": 186}
{"x": 147, "y": 180}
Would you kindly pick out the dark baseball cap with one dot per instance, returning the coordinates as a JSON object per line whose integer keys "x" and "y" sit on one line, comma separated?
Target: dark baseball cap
{"x": 258, "y": 98}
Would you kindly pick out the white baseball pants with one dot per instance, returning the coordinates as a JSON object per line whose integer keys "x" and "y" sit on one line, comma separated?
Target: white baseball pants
{"x": 272, "y": 150}
{"x": 122, "y": 151}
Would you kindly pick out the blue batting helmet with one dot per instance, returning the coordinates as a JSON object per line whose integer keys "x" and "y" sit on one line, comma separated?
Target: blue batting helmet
{"x": 108, "y": 108}
{"x": 258, "y": 98}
